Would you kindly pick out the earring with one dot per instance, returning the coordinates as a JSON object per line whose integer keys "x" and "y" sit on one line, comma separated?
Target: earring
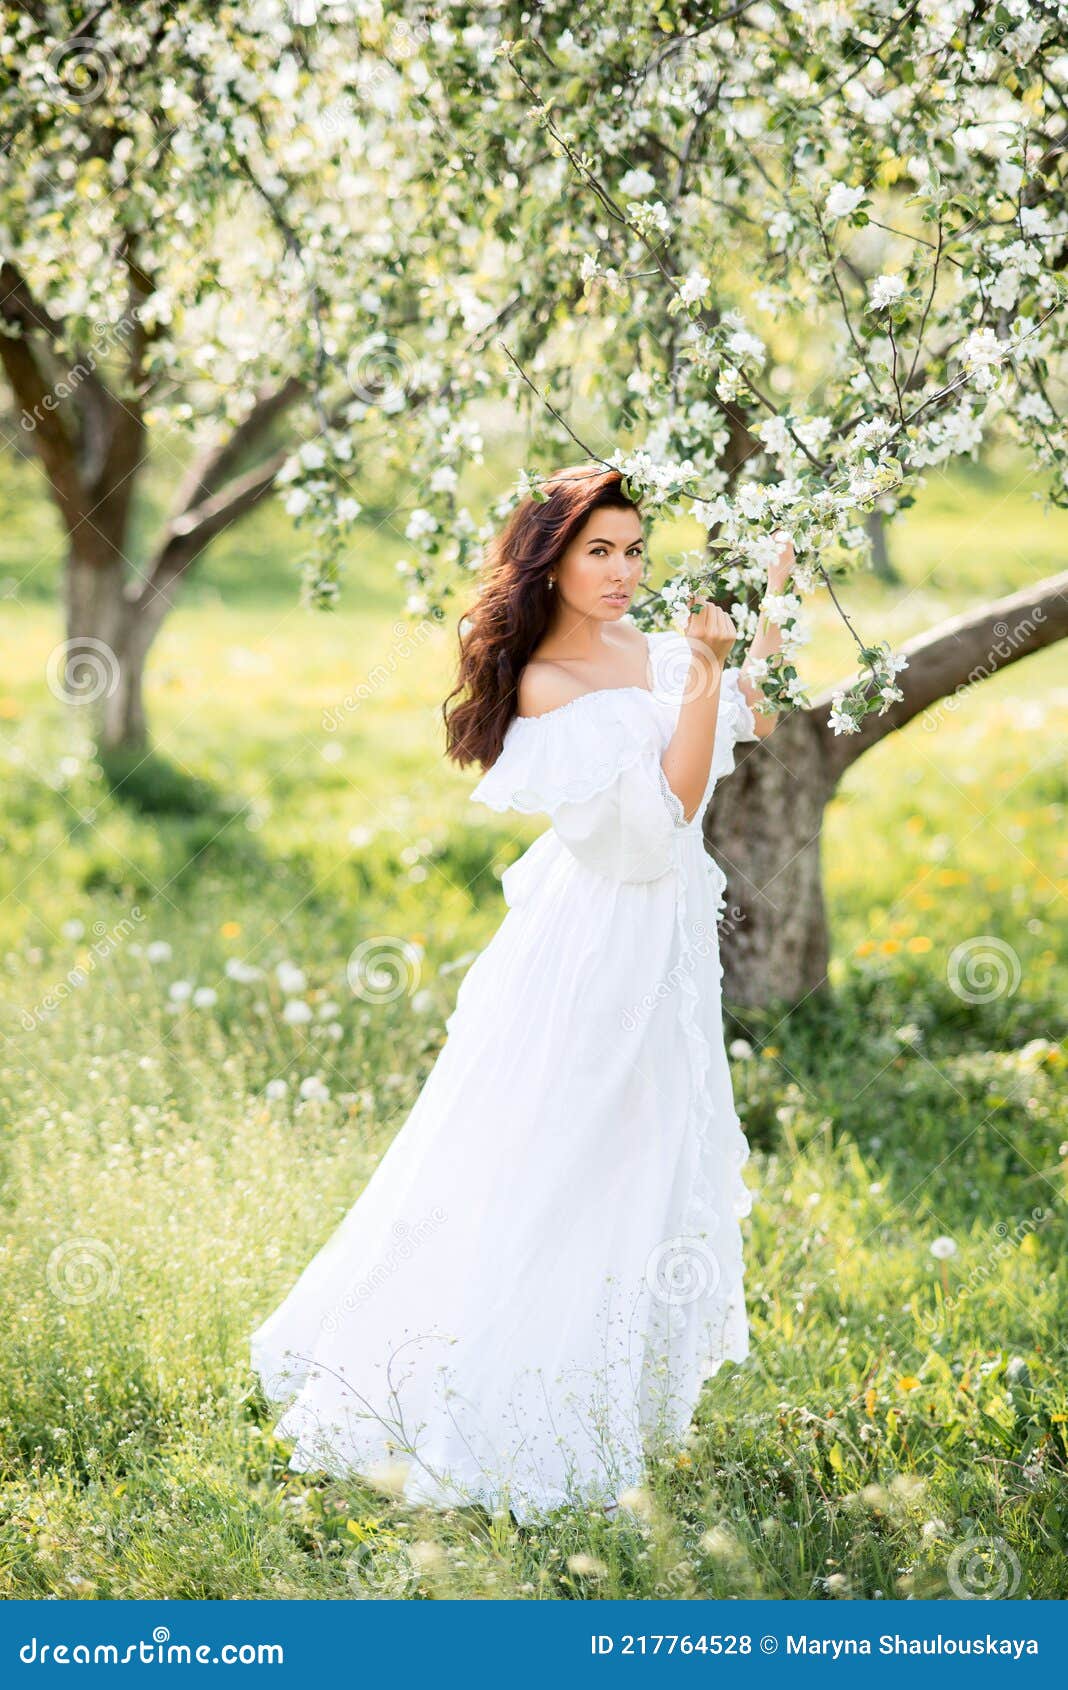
{"x": 552, "y": 580}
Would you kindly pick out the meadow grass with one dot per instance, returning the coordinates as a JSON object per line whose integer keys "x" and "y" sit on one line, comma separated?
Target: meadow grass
{"x": 901, "y": 1425}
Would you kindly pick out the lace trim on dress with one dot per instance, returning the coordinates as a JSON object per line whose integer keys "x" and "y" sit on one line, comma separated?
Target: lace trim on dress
{"x": 676, "y": 808}
{"x": 722, "y": 1145}
{"x": 734, "y": 722}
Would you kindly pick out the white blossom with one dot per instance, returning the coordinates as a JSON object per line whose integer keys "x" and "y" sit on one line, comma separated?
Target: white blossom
{"x": 884, "y": 290}
{"x": 636, "y": 184}
{"x": 841, "y": 201}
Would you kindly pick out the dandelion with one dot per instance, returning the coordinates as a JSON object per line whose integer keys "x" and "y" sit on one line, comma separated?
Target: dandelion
{"x": 719, "y": 1543}
{"x": 276, "y": 1090}
{"x": 425, "y": 1556}
{"x": 942, "y": 1248}
{"x": 243, "y": 972}
{"x": 73, "y": 929}
{"x": 390, "y": 1476}
{"x": 205, "y": 997}
{"x": 586, "y": 1566}
{"x": 296, "y": 1012}
{"x": 312, "y": 1090}
{"x": 291, "y": 979}
{"x": 180, "y": 991}
{"x": 158, "y": 951}
{"x": 907, "y": 1487}
{"x": 635, "y": 1500}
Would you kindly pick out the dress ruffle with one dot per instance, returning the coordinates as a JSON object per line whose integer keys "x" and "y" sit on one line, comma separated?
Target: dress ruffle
{"x": 570, "y": 754}
{"x": 723, "y": 1150}
{"x": 735, "y": 721}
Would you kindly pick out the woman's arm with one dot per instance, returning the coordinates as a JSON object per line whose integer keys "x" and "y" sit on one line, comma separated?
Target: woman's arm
{"x": 687, "y": 759}
{"x": 767, "y": 639}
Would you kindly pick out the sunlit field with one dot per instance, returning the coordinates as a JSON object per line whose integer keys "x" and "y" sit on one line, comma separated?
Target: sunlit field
{"x": 193, "y": 1094}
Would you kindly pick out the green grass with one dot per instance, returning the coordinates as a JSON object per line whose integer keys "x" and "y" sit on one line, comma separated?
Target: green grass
{"x": 902, "y": 1422}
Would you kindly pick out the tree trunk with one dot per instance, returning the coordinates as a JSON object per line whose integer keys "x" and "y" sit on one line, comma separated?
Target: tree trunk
{"x": 882, "y": 563}
{"x": 123, "y": 726}
{"x": 764, "y": 828}
{"x": 88, "y": 668}
{"x": 765, "y": 821}
{"x": 101, "y": 664}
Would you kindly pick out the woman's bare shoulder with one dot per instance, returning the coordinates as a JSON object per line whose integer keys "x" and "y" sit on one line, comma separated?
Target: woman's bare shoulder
{"x": 544, "y": 686}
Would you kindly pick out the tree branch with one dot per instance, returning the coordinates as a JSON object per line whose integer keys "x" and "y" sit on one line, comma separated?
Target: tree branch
{"x": 209, "y": 472}
{"x": 951, "y": 657}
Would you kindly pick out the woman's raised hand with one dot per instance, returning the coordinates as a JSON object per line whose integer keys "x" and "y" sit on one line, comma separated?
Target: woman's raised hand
{"x": 711, "y": 631}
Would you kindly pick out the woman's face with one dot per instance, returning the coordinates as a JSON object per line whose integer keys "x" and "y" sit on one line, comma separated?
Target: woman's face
{"x": 598, "y": 573}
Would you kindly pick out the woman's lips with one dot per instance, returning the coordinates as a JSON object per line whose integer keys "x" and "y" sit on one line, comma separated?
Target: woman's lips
{"x": 616, "y": 598}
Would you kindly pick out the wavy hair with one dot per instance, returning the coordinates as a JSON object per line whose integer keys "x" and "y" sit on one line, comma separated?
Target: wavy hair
{"x": 514, "y": 607}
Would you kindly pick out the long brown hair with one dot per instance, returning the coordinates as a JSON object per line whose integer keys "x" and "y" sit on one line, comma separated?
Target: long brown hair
{"x": 515, "y": 605}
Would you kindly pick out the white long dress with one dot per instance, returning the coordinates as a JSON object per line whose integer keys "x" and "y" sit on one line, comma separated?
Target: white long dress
{"x": 522, "y": 1305}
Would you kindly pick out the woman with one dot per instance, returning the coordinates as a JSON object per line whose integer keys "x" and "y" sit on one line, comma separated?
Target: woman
{"x": 547, "y": 1263}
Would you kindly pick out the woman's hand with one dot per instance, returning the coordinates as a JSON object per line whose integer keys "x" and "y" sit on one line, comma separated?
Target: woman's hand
{"x": 711, "y": 632}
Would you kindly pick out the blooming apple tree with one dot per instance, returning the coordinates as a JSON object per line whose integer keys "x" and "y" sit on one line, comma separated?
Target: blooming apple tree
{"x": 796, "y": 255}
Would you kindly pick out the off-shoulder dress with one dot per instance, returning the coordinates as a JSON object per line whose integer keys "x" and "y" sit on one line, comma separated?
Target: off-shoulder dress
{"x": 523, "y": 1303}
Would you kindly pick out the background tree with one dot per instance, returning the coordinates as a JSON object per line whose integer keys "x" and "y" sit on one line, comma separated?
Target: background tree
{"x": 213, "y": 222}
